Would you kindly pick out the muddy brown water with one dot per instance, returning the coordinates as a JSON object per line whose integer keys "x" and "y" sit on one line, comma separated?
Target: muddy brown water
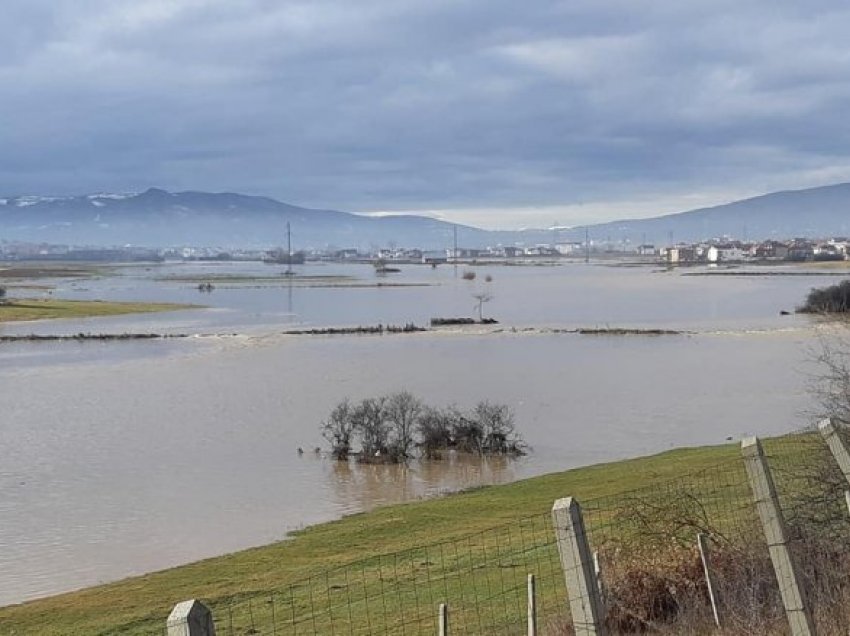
{"x": 121, "y": 458}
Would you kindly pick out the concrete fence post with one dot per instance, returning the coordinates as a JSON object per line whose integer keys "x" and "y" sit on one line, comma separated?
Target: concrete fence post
{"x": 443, "y": 620}
{"x": 577, "y": 563}
{"x": 836, "y": 446}
{"x": 770, "y": 514}
{"x": 532, "y": 606}
{"x": 190, "y": 618}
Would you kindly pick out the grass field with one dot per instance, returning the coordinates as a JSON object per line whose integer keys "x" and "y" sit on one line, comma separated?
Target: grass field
{"x": 139, "y": 605}
{"x": 35, "y": 270}
{"x": 31, "y": 309}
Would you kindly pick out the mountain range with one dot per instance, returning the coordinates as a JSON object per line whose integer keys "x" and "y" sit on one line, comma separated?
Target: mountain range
{"x": 157, "y": 218}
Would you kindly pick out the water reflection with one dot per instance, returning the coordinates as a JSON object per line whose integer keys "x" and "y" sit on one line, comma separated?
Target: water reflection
{"x": 358, "y": 486}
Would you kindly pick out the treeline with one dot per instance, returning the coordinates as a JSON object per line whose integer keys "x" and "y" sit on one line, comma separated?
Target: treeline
{"x": 399, "y": 426}
{"x": 828, "y": 300}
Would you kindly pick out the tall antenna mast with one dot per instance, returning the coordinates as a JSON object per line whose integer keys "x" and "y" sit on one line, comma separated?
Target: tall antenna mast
{"x": 288, "y": 250}
{"x": 586, "y": 244}
{"x": 454, "y": 252}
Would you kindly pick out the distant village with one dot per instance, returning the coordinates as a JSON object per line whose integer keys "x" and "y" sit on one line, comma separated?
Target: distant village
{"x": 706, "y": 252}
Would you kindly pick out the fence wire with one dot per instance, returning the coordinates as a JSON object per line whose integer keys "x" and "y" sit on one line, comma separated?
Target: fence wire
{"x": 481, "y": 577}
{"x": 649, "y": 571}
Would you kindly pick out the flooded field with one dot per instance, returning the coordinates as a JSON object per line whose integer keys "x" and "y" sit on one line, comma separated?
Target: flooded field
{"x": 122, "y": 457}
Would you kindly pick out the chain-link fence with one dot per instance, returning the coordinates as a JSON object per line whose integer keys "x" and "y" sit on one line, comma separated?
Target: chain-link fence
{"x": 689, "y": 555}
{"x": 482, "y": 578}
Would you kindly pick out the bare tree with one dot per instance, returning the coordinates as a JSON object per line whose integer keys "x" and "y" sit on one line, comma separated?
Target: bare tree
{"x": 435, "y": 430}
{"x": 369, "y": 419}
{"x": 389, "y": 428}
{"x": 338, "y": 430}
{"x": 496, "y": 422}
{"x": 482, "y": 297}
{"x": 402, "y": 413}
{"x": 831, "y": 382}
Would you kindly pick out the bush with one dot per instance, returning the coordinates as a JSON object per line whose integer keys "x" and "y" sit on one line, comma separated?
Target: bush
{"x": 390, "y": 428}
{"x": 498, "y": 433}
{"x": 369, "y": 422}
{"x": 338, "y": 430}
{"x": 828, "y": 300}
{"x": 468, "y": 275}
{"x": 435, "y": 430}
{"x": 402, "y": 412}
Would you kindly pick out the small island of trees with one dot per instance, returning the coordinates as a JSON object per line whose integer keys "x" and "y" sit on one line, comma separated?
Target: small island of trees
{"x": 828, "y": 300}
{"x": 399, "y": 426}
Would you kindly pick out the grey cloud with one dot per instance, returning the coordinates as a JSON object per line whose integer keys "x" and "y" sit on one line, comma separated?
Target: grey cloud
{"x": 403, "y": 104}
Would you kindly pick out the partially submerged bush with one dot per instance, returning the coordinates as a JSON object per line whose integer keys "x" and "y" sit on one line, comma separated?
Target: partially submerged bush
{"x": 369, "y": 423}
{"x": 496, "y": 422}
{"x": 828, "y": 300}
{"x": 403, "y": 411}
{"x": 390, "y": 429}
{"x": 338, "y": 430}
{"x": 435, "y": 430}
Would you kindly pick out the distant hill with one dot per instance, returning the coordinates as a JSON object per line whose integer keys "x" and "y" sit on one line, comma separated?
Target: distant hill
{"x": 157, "y": 218}
{"x": 815, "y": 212}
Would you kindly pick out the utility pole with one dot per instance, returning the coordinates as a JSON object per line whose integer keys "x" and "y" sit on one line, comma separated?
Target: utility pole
{"x": 586, "y": 245}
{"x": 454, "y": 248}
{"x": 288, "y": 250}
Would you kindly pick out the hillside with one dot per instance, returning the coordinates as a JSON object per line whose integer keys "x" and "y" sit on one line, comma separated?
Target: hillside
{"x": 814, "y": 212}
{"x": 157, "y": 218}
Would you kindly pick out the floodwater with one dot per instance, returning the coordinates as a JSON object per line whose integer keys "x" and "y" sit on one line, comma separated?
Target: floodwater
{"x": 117, "y": 458}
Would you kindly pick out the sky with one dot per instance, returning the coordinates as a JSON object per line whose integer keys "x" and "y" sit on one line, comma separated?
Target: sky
{"x": 498, "y": 113}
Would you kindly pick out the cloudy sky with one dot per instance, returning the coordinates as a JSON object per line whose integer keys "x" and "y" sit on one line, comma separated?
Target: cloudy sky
{"x": 494, "y": 112}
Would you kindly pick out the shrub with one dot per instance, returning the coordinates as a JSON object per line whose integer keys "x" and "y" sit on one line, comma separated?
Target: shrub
{"x": 434, "y": 428}
{"x": 390, "y": 428}
{"x": 402, "y": 413}
{"x": 828, "y": 300}
{"x": 467, "y": 434}
{"x": 338, "y": 430}
{"x": 468, "y": 275}
{"x": 369, "y": 422}
{"x": 498, "y": 433}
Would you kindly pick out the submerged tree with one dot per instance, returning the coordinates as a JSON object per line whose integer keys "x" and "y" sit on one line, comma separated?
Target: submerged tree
{"x": 435, "y": 429}
{"x": 390, "y": 428}
{"x": 369, "y": 421}
{"x": 403, "y": 410}
{"x": 338, "y": 430}
{"x": 498, "y": 432}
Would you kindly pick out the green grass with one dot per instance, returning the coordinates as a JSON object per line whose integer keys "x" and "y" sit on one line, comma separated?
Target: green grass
{"x": 30, "y": 309}
{"x": 35, "y": 270}
{"x": 144, "y": 601}
{"x": 339, "y": 565}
